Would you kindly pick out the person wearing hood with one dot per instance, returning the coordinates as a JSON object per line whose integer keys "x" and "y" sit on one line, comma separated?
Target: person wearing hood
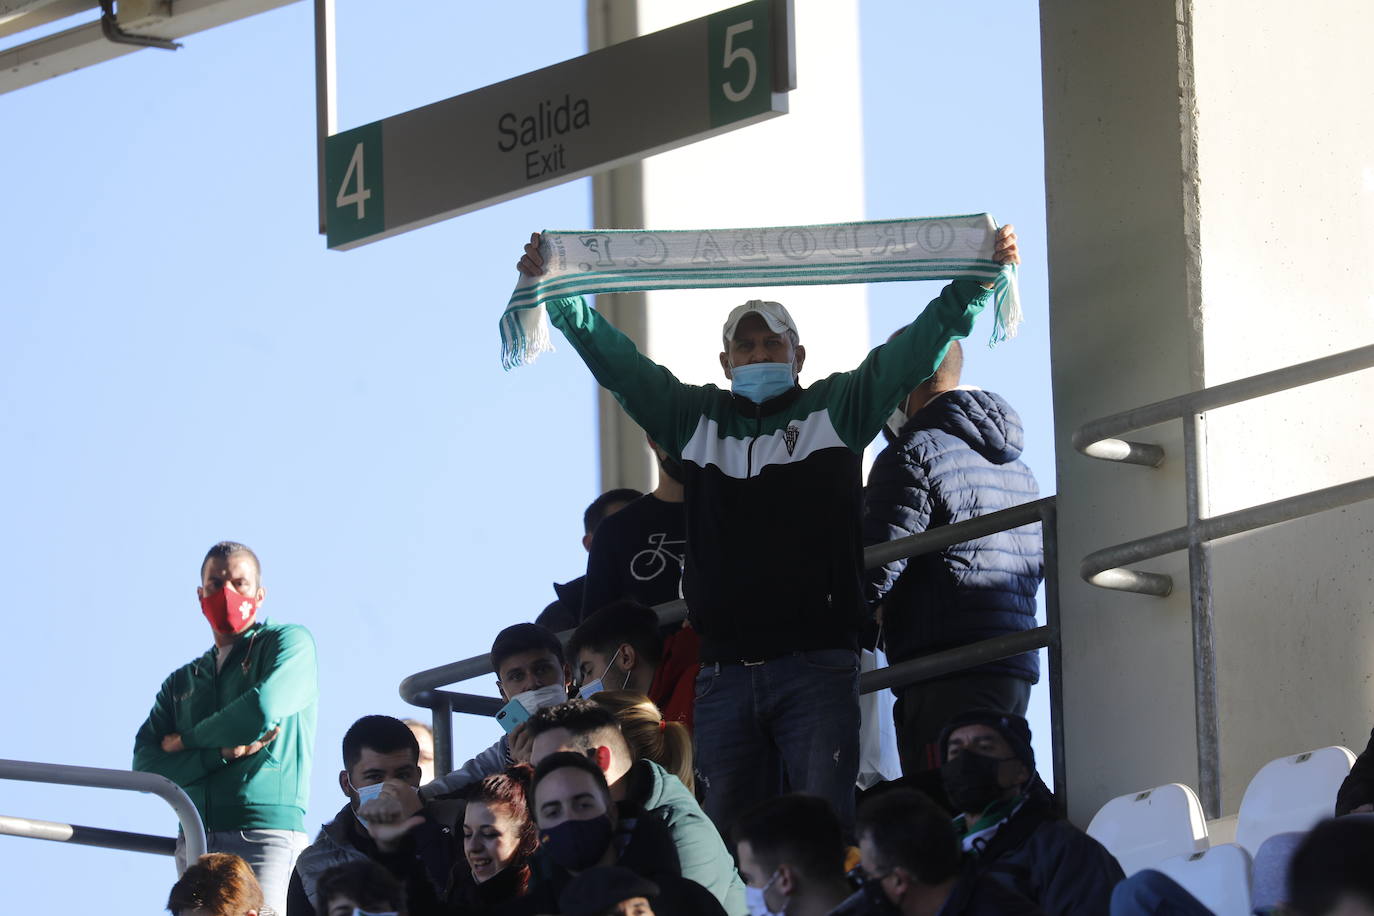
{"x": 580, "y": 829}
{"x": 953, "y": 454}
{"x": 642, "y": 790}
{"x": 1010, "y": 822}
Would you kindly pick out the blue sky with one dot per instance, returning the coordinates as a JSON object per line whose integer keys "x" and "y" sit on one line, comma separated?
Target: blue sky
{"x": 183, "y": 361}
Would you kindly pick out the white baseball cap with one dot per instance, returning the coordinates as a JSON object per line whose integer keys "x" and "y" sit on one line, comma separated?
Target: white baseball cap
{"x": 773, "y": 314}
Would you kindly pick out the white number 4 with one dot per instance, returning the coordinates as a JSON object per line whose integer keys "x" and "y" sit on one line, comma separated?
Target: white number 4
{"x": 361, "y": 195}
{"x": 744, "y": 54}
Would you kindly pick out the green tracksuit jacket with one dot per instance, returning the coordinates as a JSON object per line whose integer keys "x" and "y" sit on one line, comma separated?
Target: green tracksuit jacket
{"x": 268, "y": 680}
{"x": 774, "y": 491}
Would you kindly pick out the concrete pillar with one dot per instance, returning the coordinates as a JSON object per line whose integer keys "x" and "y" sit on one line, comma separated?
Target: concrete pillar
{"x": 1208, "y": 194}
{"x": 762, "y": 175}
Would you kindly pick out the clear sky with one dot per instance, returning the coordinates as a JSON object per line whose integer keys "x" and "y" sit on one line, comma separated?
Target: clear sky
{"x": 183, "y": 362}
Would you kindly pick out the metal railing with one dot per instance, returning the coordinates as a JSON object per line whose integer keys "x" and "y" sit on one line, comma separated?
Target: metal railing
{"x": 93, "y": 777}
{"x": 1108, "y": 568}
{"x": 423, "y": 688}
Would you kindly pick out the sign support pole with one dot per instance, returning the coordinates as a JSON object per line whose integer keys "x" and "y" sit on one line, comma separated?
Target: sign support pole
{"x": 326, "y": 116}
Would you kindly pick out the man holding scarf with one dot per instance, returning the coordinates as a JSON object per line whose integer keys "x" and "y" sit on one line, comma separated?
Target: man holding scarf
{"x": 773, "y": 499}
{"x": 236, "y": 727}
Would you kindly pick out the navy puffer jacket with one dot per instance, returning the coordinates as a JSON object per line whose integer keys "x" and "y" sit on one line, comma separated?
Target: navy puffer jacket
{"x": 956, "y": 458}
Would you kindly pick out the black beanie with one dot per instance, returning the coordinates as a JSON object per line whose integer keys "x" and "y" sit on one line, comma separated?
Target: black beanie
{"x": 1009, "y": 725}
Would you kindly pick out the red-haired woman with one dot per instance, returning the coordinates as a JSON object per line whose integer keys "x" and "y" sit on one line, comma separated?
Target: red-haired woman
{"x": 499, "y": 836}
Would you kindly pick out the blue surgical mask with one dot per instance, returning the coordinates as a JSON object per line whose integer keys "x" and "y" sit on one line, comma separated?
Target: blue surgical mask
{"x": 365, "y": 795}
{"x": 591, "y": 688}
{"x": 756, "y": 899}
{"x": 760, "y": 381}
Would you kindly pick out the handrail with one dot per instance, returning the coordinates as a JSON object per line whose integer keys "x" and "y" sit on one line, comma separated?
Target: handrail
{"x": 1100, "y": 438}
{"x": 1099, "y": 566}
{"x": 87, "y": 836}
{"x": 125, "y": 780}
{"x": 422, "y": 688}
{"x": 1107, "y": 568}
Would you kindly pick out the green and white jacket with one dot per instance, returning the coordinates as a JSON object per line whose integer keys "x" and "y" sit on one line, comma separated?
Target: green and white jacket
{"x": 774, "y": 490}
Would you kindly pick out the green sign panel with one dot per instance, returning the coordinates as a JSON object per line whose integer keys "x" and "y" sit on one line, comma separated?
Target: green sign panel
{"x": 741, "y": 62}
{"x": 354, "y": 181}
{"x": 622, "y": 103}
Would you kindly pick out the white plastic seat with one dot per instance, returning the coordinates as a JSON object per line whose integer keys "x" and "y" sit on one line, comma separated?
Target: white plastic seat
{"x": 1218, "y": 877}
{"x": 1145, "y": 828}
{"x": 1291, "y": 793}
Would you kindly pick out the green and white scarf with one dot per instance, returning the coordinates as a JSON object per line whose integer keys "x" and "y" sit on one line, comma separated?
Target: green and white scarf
{"x": 628, "y": 260}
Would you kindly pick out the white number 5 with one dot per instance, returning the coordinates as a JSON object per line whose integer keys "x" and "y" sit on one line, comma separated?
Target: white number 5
{"x": 744, "y": 54}
{"x": 361, "y": 195}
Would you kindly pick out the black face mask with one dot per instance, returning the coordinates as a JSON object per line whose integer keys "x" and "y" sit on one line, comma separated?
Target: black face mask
{"x": 578, "y": 845}
{"x": 875, "y": 899}
{"x": 971, "y": 781}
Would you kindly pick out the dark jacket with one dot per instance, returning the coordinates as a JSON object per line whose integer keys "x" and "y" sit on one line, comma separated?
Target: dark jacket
{"x": 981, "y": 895}
{"x": 1049, "y": 861}
{"x": 649, "y": 853}
{"x": 958, "y": 457}
{"x": 468, "y": 898}
{"x": 773, "y": 487}
{"x": 1358, "y": 787}
{"x": 423, "y": 863}
{"x": 564, "y": 612}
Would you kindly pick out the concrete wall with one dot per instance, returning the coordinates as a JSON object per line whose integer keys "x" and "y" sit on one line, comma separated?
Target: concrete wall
{"x": 750, "y": 177}
{"x": 1209, "y": 188}
{"x": 1286, "y": 202}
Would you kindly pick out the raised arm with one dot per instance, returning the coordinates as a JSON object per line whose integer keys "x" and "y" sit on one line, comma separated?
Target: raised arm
{"x": 290, "y": 686}
{"x": 861, "y": 400}
{"x": 650, "y": 394}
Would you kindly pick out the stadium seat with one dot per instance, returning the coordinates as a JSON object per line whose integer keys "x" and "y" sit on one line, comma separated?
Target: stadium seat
{"x": 1218, "y": 877}
{"x": 1145, "y": 828}
{"x": 1291, "y": 793}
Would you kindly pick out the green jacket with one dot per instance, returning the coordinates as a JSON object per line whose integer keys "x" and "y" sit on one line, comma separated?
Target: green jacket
{"x": 700, "y": 849}
{"x": 267, "y": 681}
{"x": 774, "y": 491}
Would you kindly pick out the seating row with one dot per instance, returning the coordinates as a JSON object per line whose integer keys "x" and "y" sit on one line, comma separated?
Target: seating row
{"x": 1166, "y": 829}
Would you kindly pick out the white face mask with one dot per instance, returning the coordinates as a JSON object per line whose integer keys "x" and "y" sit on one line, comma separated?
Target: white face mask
{"x": 537, "y": 699}
{"x": 594, "y": 687}
{"x": 365, "y": 795}
{"x": 755, "y": 898}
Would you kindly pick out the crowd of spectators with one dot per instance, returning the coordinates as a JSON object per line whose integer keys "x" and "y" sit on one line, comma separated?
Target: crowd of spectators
{"x": 634, "y": 751}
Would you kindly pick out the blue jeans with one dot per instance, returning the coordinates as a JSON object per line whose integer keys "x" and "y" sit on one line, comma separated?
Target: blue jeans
{"x": 787, "y": 724}
{"x": 1152, "y": 893}
{"x": 270, "y": 853}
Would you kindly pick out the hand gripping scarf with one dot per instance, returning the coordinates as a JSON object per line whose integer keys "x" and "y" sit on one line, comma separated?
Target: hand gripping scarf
{"x": 629, "y": 260}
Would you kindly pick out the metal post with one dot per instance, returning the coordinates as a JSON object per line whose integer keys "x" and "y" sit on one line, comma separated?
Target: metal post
{"x": 1204, "y": 627}
{"x": 443, "y": 737}
{"x": 326, "y": 117}
{"x": 1049, "y": 539}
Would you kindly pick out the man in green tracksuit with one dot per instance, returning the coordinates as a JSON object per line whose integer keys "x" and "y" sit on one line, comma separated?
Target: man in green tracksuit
{"x": 774, "y": 551}
{"x": 236, "y": 727}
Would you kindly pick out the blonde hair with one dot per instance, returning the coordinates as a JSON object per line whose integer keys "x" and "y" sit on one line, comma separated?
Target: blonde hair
{"x": 667, "y": 744}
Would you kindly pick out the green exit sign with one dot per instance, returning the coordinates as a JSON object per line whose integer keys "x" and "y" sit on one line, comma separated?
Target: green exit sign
{"x": 644, "y": 96}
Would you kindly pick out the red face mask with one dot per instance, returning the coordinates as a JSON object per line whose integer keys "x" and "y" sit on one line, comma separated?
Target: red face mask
{"x": 228, "y": 611}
